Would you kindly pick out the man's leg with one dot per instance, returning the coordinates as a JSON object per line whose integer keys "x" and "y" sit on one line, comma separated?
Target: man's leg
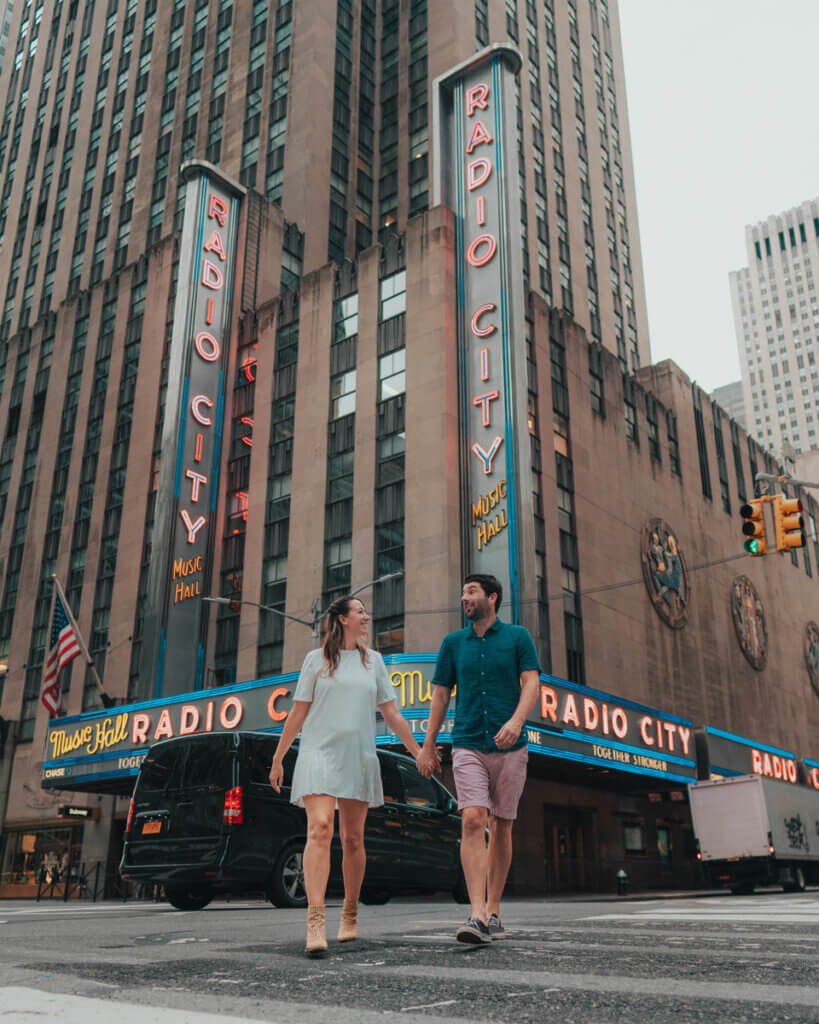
{"x": 507, "y": 779}
{"x": 499, "y": 858}
{"x": 474, "y": 858}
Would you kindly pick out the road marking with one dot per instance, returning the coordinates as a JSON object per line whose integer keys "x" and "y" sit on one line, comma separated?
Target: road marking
{"x": 780, "y": 995}
{"x": 23, "y": 1004}
{"x": 429, "y": 1006}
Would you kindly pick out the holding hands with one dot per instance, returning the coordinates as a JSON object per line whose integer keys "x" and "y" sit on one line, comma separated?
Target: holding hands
{"x": 428, "y": 761}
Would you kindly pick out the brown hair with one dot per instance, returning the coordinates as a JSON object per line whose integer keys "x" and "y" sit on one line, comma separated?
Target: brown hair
{"x": 334, "y": 634}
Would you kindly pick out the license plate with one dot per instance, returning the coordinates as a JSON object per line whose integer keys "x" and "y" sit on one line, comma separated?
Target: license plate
{"x": 151, "y": 828}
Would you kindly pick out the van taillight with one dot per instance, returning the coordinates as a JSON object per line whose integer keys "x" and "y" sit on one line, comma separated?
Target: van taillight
{"x": 232, "y": 813}
{"x": 130, "y": 820}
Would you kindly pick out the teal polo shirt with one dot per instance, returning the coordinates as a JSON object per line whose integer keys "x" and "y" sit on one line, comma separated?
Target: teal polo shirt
{"x": 486, "y": 670}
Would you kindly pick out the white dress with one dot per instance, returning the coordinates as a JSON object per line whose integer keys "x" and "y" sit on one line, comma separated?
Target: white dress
{"x": 337, "y": 745}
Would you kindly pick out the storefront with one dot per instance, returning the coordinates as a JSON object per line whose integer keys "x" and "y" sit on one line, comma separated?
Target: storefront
{"x": 39, "y": 856}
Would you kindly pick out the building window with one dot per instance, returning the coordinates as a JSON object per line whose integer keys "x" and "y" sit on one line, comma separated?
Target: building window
{"x": 652, "y": 429}
{"x": 342, "y": 394}
{"x": 598, "y": 402}
{"x": 705, "y": 474}
{"x": 673, "y": 443}
{"x": 630, "y": 410}
{"x": 392, "y": 375}
{"x": 392, "y": 295}
{"x": 345, "y": 318}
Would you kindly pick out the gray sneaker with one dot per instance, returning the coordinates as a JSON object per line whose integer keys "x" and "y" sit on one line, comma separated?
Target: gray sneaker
{"x": 474, "y": 932}
{"x": 496, "y": 929}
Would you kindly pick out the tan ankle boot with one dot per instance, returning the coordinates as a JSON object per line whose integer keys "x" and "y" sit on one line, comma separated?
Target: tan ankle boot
{"x": 316, "y": 934}
{"x": 348, "y": 927}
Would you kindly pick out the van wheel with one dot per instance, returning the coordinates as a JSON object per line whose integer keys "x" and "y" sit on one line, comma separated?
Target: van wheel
{"x": 459, "y": 891}
{"x": 188, "y": 897}
{"x": 797, "y": 881}
{"x": 375, "y": 897}
{"x": 286, "y": 885}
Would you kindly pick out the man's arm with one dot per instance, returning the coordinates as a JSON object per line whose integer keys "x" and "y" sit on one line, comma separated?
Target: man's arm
{"x": 428, "y": 760}
{"x": 507, "y": 735}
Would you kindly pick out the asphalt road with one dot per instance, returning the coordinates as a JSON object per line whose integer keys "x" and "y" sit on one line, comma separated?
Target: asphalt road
{"x": 718, "y": 959}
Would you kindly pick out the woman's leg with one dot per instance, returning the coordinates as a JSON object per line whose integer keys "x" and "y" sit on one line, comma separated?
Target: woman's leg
{"x": 320, "y": 810}
{"x": 351, "y": 817}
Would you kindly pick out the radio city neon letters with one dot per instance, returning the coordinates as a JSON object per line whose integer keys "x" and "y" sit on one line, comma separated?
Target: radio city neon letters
{"x": 479, "y": 253}
{"x": 208, "y": 348}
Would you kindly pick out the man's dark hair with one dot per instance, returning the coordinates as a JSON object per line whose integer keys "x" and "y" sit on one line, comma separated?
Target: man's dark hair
{"x": 488, "y": 584}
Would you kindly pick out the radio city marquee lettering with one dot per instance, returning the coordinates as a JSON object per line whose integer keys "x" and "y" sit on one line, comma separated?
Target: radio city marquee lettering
{"x": 567, "y": 722}
{"x": 728, "y": 754}
{"x": 174, "y": 626}
{"x": 478, "y": 177}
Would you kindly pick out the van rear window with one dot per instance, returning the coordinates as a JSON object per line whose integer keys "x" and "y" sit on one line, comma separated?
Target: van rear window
{"x": 201, "y": 763}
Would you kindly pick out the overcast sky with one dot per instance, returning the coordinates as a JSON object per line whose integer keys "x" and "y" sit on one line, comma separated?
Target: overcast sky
{"x": 722, "y": 99}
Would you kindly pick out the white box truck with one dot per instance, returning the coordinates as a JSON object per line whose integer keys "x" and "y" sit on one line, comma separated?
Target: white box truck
{"x": 755, "y": 831}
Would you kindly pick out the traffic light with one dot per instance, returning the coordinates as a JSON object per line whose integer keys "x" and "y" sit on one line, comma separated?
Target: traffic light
{"x": 754, "y": 527}
{"x": 790, "y": 526}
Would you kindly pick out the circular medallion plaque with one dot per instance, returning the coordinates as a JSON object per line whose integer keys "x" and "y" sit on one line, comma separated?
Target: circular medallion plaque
{"x": 664, "y": 572}
{"x": 749, "y": 622}
{"x": 812, "y": 654}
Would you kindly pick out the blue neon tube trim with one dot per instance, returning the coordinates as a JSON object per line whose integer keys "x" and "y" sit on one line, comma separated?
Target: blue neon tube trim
{"x": 94, "y": 758}
{"x": 726, "y": 771}
{"x": 748, "y": 743}
{"x": 616, "y": 745}
{"x": 510, "y": 438}
{"x": 570, "y": 755}
{"x": 808, "y": 761}
{"x": 181, "y": 698}
{"x": 587, "y": 691}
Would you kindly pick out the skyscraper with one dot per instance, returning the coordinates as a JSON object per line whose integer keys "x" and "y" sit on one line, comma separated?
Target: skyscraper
{"x": 776, "y": 317}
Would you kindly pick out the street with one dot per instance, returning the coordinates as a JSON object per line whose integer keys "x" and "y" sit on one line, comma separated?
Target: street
{"x": 578, "y": 960}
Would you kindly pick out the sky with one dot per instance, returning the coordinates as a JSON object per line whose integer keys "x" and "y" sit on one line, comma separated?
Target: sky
{"x": 722, "y": 98}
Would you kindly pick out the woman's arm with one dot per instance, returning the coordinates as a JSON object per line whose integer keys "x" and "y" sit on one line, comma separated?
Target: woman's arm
{"x": 398, "y": 724}
{"x": 292, "y": 727}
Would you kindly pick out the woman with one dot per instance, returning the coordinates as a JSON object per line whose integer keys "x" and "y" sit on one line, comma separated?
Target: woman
{"x": 334, "y": 706}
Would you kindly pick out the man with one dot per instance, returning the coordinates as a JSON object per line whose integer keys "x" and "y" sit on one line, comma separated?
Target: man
{"x": 495, "y": 668}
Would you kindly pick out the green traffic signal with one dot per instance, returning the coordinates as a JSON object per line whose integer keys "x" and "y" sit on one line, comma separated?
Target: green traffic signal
{"x": 752, "y": 546}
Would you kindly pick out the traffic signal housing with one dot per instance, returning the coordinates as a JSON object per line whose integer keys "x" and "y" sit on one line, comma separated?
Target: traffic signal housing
{"x": 789, "y": 524}
{"x": 753, "y": 528}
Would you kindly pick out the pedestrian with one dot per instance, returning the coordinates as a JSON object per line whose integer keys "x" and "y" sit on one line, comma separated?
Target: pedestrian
{"x": 334, "y": 704}
{"x": 495, "y": 667}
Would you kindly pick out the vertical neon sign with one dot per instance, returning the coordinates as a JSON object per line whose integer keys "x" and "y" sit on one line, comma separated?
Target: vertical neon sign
{"x": 476, "y": 173}
{"x": 183, "y": 535}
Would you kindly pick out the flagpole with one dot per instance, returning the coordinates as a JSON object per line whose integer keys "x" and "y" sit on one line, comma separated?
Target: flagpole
{"x": 89, "y": 661}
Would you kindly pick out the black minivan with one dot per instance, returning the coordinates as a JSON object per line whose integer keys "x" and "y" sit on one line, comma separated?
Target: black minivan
{"x": 204, "y": 819}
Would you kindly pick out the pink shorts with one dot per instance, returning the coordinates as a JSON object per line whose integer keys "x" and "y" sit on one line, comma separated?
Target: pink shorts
{"x": 494, "y": 781}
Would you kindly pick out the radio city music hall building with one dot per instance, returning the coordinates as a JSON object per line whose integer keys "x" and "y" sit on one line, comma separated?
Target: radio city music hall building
{"x": 283, "y": 381}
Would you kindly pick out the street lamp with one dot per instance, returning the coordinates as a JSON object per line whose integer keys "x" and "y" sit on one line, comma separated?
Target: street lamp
{"x": 315, "y": 622}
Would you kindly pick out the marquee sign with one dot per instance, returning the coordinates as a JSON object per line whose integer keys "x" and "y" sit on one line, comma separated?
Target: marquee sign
{"x": 184, "y": 534}
{"x": 476, "y": 173}
{"x": 724, "y": 754}
{"x": 569, "y": 722}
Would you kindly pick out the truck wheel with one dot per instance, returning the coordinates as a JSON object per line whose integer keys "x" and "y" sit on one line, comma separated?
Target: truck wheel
{"x": 286, "y": 885}
{"x": 742, "y": 889}
{"x": 797, "y": 881}
{"x": 188, "y": 897}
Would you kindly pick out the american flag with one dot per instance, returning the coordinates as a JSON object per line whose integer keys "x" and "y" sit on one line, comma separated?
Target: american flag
{"x": 64, "y": 648}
